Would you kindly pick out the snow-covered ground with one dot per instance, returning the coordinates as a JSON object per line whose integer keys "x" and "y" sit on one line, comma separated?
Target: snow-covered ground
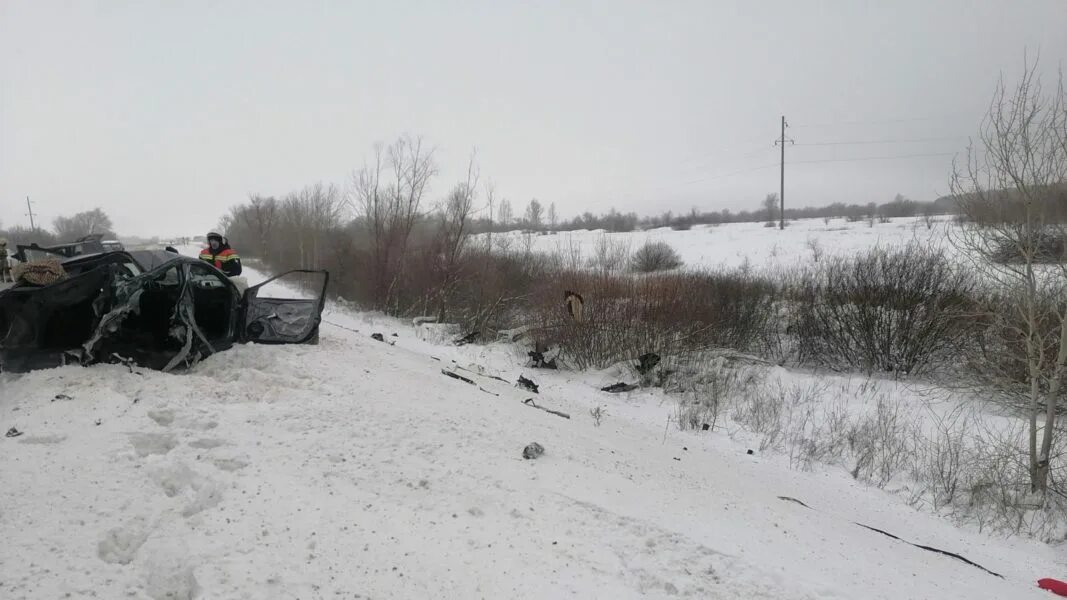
{"x": 356, "y": 469}
{"x": 738, "y": 244}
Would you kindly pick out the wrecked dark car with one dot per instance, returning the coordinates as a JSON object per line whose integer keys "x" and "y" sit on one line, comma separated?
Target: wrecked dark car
{"x": 155, "y": 309}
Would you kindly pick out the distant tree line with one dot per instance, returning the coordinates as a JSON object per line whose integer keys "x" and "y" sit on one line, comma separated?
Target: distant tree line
{"x": 615, "y": 221}
{"x": 64, "y": 229}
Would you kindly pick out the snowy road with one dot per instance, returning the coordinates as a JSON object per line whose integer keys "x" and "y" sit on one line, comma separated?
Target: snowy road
{"x": 355, "y": 469}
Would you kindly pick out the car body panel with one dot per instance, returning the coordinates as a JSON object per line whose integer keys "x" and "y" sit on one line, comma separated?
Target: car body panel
{"x": 269, "y": 320}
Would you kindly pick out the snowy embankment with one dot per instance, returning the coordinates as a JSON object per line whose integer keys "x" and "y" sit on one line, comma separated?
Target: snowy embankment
{"x": 356, "y": 469}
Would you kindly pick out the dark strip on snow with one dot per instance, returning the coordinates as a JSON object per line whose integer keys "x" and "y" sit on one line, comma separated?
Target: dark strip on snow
{"x": 530, "y": 402}
{"x": 466, "y": 380}
{"x": 789, "y": 499}
{"x": 899, "y": 539}
{"x": 932, "y": 549}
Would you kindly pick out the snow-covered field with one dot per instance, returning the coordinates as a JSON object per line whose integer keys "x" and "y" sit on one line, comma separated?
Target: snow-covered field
{"x": 356, "y": 469}
{"x": 738, "y": 244}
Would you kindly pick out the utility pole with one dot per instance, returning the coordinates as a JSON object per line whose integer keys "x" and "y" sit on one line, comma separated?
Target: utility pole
{"x": 29, "y": 212}
{"x": 781, "y": 192}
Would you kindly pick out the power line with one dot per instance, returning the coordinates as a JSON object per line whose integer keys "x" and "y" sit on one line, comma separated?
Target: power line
{"x": 730, "y": 174}
{"x": 873, "y": 121}
{"x": 864, "y": 158}
{"x": 695, "y": 168}
{"x": 803, "y": 162}
{"x": 747, "y": 144}
{"x": 867, "y": 142}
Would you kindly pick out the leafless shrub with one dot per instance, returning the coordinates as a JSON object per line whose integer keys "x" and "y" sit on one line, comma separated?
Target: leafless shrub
{"x": 882, "y": 443}
{"x": 764, "y": 412}
{"x": 945, "y": 457}
{"x": 929, "y": 217}
{"x": 815, "y": 247}
{"x": 707, "y": 386}
{"x": 653, "y": 257}
{"x": 668, "y": 314}
{"x": 771, "y": 209}
{"x": 895, "y": 311}
{"x": 610, "y": 255}
{"x": 568, "y": 255}
{"x": 819, "y": 432}
{"x": 598, "y": 414}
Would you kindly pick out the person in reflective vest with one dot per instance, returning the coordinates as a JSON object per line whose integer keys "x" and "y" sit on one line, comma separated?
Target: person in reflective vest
{"x": 219, "y": 253}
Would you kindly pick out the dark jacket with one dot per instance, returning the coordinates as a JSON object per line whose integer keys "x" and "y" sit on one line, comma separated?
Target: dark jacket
{"x": 224, "y": 259}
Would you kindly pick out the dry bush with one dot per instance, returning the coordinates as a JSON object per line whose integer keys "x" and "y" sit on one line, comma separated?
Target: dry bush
{"x": 1010, "y": 341}
{"x": 945, "y": 457}
{"x": 815, "y": 427}
{"x": 598, "y": 413}
{"x": 815, "y": 247}
{"x": 895, "y": 311}
{"x": 653, "y": 257}
{"x": 666, "y": 314}
{"x": 1046, "y": 247}
{"x": 708, "y": 386}
{"x": 882, "y": 443}
{"x": 496, "y": 290}
{"x": 610, "y": 255}
{"x": 929, "y": 217}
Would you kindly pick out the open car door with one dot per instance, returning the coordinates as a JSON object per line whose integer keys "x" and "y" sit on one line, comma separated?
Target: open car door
{"x": 286, "y": 309}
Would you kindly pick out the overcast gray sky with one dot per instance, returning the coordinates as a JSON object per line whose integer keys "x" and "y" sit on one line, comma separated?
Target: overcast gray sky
{"x": 165, "y": 114}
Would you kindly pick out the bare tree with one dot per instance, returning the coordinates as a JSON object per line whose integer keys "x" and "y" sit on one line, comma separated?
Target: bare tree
{"x": 505, "y": 215}
{"x": 455, "y": 216}
{"x": 90, "y": 222}
{"x": 534, "y": 210}
{"x": 490, "y": 201}
{"x": 770, "y": 208}
{"x": 1007, "y": 188}
{"x": 388, "y": 196}
{"x": 553, "y": 218}
{"x": 264, "y": 211}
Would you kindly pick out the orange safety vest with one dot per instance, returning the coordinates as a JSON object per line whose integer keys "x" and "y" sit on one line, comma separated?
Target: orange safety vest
{"x": 225, "y": 255}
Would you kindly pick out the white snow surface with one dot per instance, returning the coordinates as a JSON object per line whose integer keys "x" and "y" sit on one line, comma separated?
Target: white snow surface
{"x": 355, "y": 469}
{"x": 739, "y": 244}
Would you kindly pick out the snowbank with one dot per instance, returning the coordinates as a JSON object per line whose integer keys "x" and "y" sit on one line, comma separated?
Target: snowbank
{"x": 356, "y": 468}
